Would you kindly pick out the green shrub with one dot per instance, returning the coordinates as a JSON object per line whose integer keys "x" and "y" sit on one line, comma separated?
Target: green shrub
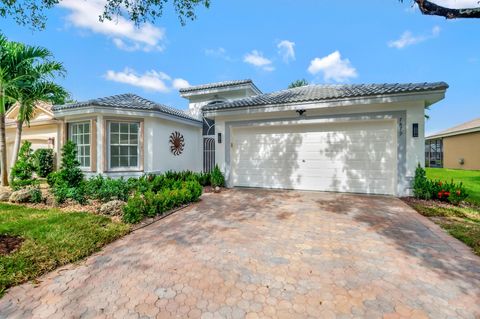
{"x": 217, "y": 178}
{"x": 203, "y": 179}
{"x": 135, "y": 209}
{"x": 36, "y": 195}
{"x": 44, "y": 161}
{"x": 160, "y": 194}
{"x": 22, "y": 171}
{"x": 195, "y": 190}
{"x": 424, "y": 188}
{"x": 151, "y": 204}
{"x": 421, "y": 184}
{"x": 106, "y": 189}
{"x": 68, "y": 181}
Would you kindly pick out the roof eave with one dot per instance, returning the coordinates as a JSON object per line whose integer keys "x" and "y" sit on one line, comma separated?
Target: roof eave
{"x": 93, "y": 108}
{"x": 433, "y": 96}
{"x": 450, "y": 134}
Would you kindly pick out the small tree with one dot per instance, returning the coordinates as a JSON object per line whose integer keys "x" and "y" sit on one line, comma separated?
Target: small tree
{"x": 22, "y": 171}
{"x": 70, "y": 171}
{"x": 298, "y": 83}
{"x": 44, "y": 161}
{"x": 68, "y": 181}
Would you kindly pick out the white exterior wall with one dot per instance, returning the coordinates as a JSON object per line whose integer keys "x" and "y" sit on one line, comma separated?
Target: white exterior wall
{"x": 414, "y": 114}
{"x": 157, "y": 154}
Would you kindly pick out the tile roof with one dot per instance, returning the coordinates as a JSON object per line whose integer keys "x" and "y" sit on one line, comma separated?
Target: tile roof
{"x": 328, "y": 92}
{"x": 127, "y": 101}
{"x": 459, "y": 129}
{"x": 217, "y": 85}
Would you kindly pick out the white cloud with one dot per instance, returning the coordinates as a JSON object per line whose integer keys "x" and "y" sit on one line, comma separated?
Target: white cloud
{"x": 457, "y": 4}
{"x": 151, "y": 80}
{"x": 257, "y": 59}
{"x": 218, "y": 53}
{"x": 286, "y": 49}
{"x": 125, "y": 35}
{"x": 333, "y": 68}
{"x": 180, "y": 84}
{"x": 408, "y": 38}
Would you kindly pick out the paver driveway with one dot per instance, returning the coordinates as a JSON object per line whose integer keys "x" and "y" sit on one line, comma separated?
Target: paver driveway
{"x": 278, "y": 254}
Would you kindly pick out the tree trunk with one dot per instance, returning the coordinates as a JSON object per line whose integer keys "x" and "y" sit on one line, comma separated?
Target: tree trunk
{"x": 3, "y": 151}
{"x": 3, "y": 141}
{"x": 18, "y": 141}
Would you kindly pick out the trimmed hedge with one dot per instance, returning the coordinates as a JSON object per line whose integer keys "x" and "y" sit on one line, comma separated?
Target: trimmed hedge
{"x": 153, "y": 203}
{"x": 424, "y": 188}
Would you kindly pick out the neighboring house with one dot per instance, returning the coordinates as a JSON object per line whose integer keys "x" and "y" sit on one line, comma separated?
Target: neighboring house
{"x": 42, "y": 132}
{"x": 347, "y": 138}
{"x": 457, "y": 147}
{"x": 127, "y": 135}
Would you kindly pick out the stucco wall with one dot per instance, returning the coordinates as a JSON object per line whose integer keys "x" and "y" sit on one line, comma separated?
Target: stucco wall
{"x": 414, "y": 146}
{"x": 156, "y": 149}
{"x": 37, "y": 135}
{"x": 159, "y": 158}
{"x": 466, "y": 146}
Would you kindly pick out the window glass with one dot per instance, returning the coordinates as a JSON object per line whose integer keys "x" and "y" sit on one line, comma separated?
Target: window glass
{"x": 79, "y": 133}
{"x": 124, "y": 146}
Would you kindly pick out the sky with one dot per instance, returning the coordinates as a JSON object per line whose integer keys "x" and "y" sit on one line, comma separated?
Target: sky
{"x": 272, "y": 42}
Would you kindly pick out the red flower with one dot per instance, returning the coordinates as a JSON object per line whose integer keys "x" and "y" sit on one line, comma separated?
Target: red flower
{"x": 446, "y": 194}
{"x": 458, "y": 192}
{"x": 440, "y": 194}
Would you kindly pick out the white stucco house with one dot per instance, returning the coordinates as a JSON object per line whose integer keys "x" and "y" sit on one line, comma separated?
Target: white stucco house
{"x": 361, "y": 138}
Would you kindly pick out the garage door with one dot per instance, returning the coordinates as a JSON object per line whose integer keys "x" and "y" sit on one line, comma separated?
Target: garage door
{"x": 358, "y": 157}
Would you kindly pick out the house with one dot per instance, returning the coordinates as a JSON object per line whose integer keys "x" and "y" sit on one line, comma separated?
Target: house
{"x": 457, "y": 147}
{"x": 362, "y": 138}
{"x": 127, "y": 135}
{"x": 42, "y": 131}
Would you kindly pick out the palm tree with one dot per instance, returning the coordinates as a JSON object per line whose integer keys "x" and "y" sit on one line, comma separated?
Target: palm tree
{"x": 36, "y": 87}
{"x": 25, "y": 73}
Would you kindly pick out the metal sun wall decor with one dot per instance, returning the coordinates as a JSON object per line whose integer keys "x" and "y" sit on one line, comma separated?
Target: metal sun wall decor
{"x": 177, "y": 143}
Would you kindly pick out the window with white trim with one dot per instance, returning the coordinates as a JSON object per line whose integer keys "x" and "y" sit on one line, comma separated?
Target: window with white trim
{"x": 123, "y": 145}
{"x": 79, "y": 133}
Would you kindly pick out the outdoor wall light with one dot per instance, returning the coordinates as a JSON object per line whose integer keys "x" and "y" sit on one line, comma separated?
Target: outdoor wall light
{"x": 219, "y": 138}
{"x": 300, "y": 112}
{"x": 415, "y": 130}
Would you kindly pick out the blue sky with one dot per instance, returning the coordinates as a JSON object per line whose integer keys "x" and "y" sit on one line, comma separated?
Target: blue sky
{"x": 272, "y": 42}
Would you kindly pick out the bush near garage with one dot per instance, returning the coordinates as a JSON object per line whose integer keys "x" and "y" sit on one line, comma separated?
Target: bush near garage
{"x": 424, "y": 188}
{"x": 160, "y": 199}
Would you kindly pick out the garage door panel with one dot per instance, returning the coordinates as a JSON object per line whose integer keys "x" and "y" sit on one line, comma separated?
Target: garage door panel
{"x": 356, "y": 185}
{"x": 347, "y": 157}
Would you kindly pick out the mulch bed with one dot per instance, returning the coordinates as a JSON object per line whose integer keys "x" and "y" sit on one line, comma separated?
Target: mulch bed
{"x": 8, "y": 244}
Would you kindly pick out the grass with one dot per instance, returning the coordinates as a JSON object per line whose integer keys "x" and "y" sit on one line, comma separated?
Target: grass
{"x": 51, "y": 239}
{"x": 462, "y": 223}
{"x": 470, "y": 179}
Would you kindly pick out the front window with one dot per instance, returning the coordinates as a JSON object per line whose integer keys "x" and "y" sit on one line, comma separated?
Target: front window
{"x": 124, "y": 146}
{"x": 80, "y": 135}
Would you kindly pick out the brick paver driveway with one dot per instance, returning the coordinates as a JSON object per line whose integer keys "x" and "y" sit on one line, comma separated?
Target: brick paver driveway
{"x": 277, "y": 254}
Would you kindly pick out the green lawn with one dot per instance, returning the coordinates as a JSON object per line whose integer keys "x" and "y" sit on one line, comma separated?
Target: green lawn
{"x": 470, "y": 179}
{"x": 462, "y": 223}
{"x": 51, "y": 238}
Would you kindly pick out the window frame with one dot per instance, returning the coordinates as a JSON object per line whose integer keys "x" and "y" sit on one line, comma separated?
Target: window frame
{"x": 87, "y": 146}
{"x": 108, "y": 150}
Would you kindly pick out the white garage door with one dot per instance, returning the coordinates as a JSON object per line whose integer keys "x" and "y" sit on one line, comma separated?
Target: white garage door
{"x": 358, "y": 157}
